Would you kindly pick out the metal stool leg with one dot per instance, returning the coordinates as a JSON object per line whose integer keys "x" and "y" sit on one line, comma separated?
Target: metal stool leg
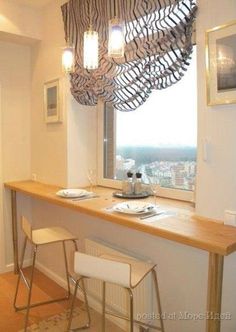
{"x": 30, "y": 288}
{"x": 154, "y": 275}
{"x": 131, "y": 308}
{"x": 30, "y": 283}
{"x": 84, "y": 292}
{"x": 103, "y": 306}
{"x": 86, "y": 303}
{"x": 73, "y": 305}
{"x": 67, "y": 271}
{"x": 20, "y": 273}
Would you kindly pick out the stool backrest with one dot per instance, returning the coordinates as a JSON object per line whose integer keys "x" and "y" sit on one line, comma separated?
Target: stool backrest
{"x": 102, "y": 269}
{"x": 26, "y": 227}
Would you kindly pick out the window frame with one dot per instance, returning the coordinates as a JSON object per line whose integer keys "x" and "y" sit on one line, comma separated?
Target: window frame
{"x": 183, "y": 195}
{"x": 178, "y": 194}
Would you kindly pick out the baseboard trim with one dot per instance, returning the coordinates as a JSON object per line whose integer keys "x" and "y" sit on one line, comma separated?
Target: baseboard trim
{"x": 10, "y": 267}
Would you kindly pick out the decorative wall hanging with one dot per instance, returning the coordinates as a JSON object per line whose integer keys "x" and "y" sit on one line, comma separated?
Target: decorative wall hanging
{"x": 221, "y": 64}
{"x": 158, "y": 47}
{"x": 52, "y": 101}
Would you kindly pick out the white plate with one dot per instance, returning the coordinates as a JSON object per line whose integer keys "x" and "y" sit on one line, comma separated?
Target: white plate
{"x": 72, "y": 193}
{"x": 133, "y": 207}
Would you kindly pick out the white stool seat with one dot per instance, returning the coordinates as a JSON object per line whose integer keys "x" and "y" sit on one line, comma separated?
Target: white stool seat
{"x": 50, "y": 235}
{"x": 120, "y": 270}
{"x": 139, "y": 269}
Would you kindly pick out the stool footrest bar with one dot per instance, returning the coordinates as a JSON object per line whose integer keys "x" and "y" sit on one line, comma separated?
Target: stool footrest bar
{"x": 87, "y": 326}
{"x": 41, "y": 303}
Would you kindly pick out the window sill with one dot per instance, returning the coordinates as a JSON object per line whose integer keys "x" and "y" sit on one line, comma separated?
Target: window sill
{"x": 168, "y": 193}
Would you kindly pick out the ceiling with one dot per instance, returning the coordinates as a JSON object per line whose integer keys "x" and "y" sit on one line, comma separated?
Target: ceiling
{"x": 34, "y": 3}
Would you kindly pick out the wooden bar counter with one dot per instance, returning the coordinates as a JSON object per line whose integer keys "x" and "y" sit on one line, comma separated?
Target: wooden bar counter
{"x": 182, "y": 227}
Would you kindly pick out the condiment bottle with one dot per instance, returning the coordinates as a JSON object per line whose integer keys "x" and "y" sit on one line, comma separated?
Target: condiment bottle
{"x": 138, "y": 184}
{"x": 127, "y": 186}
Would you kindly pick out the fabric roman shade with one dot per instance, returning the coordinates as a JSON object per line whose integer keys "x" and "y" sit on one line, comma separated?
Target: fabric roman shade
{"x": 158, "y": 37}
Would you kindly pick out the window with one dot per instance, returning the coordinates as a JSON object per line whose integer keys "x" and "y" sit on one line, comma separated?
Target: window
{"x": 159, "y": 139}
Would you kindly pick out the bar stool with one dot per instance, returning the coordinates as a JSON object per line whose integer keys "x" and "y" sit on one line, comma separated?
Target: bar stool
{"x": 122, "y": 271}
{"x": 39, "y": 237}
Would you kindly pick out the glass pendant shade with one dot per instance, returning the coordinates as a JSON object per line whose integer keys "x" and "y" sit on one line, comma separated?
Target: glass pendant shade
{"x": 68, "y": 59}
{"x": 116, "y": 42}
{"x": 90, "y": 49}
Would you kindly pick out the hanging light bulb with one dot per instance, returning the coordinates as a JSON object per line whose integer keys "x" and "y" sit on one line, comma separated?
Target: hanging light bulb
{"x": 90, "y": 49}
{"x": 68, "y": 59}
{"x": 116, "y": 42}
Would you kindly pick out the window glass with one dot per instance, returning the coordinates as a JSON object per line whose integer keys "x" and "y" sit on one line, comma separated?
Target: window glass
{"x": 158, "y": 139}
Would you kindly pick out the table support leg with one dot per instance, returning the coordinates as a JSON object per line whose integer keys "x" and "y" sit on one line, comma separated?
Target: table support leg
{"x": 14, "y": 231}
{"x": 215, "y": 279}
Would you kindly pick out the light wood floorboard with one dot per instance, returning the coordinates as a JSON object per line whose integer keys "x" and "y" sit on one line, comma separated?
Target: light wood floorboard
{"x": 44, "y": 289}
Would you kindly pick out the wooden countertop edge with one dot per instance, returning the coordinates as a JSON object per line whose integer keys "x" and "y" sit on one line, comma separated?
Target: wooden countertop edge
{"x": 168, "y": 235}
{"x": 130, "y": 223}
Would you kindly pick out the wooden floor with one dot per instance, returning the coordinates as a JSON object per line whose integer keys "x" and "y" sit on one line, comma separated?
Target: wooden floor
{"x": 44, "y": 289}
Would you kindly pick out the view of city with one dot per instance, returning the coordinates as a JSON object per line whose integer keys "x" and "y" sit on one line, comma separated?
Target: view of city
{"x": 168, "y": 167}
{"x": 159, "y": 139}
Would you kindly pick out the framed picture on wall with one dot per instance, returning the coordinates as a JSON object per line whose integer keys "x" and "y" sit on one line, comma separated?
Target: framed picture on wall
{"x": 52, "y": 101}
{"x": 221, "y": 64}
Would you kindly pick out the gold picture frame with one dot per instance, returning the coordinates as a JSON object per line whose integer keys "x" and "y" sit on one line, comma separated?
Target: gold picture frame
{"x": 52, "y": 101}
{"x": 221, "y": 64}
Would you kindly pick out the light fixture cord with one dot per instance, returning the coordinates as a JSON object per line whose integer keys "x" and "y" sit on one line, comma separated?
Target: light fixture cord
{"x": 90, "y": 16}
{"x": 114, "y": 8}
{"x": 69, "y": 25}
{"x": 67, "y": 22}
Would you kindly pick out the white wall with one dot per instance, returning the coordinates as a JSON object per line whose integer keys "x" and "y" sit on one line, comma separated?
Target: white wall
{"x": 15, "y": 163}
{"x": 182, "y": 270}
{"x": 81, "y": 142}
{"x": 49, "y": 144}
{"x": 60, "y": 152}
{"x": 19, "y": 26}
{"x": 17, "y": 20}
{"x": 216, "y": 181}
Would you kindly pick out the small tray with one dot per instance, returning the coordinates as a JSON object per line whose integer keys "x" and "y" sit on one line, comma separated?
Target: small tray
{"x": 120, "y": 194}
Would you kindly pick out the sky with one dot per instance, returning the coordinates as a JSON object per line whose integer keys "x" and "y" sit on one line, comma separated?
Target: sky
{"x": 167, "y": 118}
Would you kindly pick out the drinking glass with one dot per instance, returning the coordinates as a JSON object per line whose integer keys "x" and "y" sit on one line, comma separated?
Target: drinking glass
{"x": 92, "y": 176}
{"x": 153, "y": 185}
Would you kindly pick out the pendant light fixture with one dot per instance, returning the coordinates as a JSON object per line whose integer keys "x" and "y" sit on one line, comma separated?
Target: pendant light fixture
{"x": 90, "y": 49}
{"x": 68, "y": 59}
{"x": 68, "y": 53}
{"x": 116, "y": 47}
{"x": 90, "y": 45}
{"x": 116, "y": 42}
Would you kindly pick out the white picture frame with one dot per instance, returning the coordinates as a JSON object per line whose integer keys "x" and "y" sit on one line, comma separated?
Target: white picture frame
{"x": 52, "y": 101}
{"x": 221, "y": 64}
